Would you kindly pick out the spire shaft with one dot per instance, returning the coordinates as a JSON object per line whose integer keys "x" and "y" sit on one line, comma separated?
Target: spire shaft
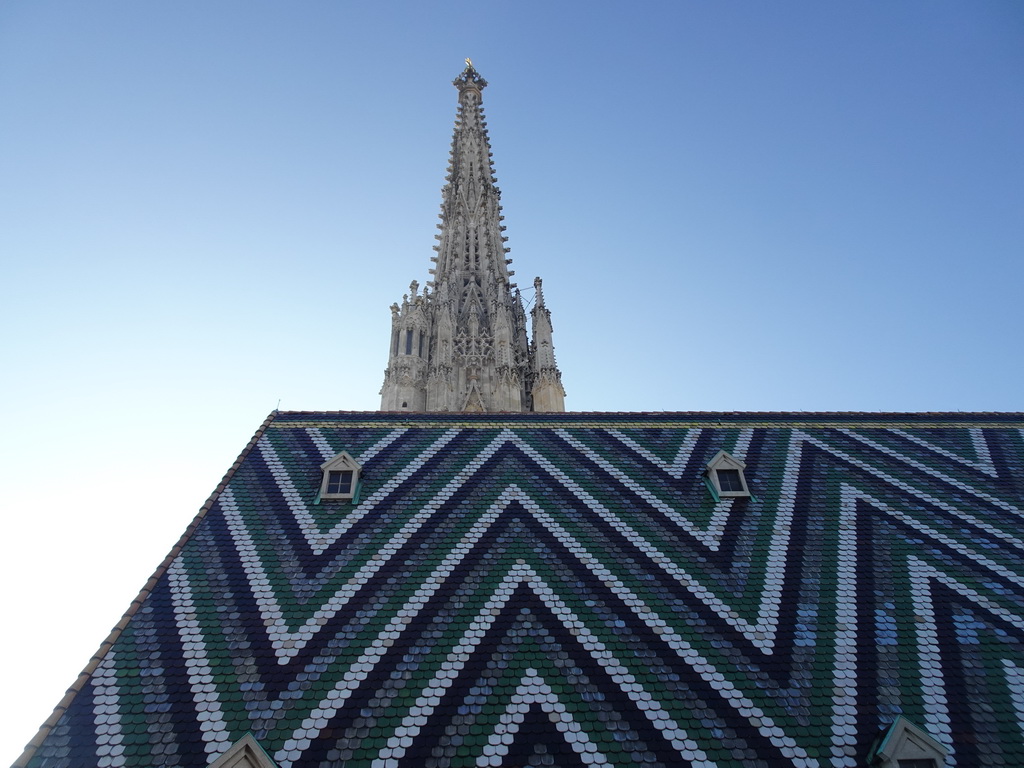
{"x": 471, "y": 243}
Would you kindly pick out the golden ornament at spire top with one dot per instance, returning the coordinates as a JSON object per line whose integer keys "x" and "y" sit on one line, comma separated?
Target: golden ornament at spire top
{"x": 469, "y": 62}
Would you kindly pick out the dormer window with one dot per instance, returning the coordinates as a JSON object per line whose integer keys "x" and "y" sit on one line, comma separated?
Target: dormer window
{"x": 905, "y": 745}
{"x": 725, "y": 475}
{"x": 244, "y": 753}
{"x": 340, "y": 477}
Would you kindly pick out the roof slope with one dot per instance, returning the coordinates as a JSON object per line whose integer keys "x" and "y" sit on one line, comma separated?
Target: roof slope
{"x": 563, "y": 589}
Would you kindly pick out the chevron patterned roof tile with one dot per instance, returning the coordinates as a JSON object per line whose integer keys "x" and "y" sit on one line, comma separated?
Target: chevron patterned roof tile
{"x": 563, "y": 589}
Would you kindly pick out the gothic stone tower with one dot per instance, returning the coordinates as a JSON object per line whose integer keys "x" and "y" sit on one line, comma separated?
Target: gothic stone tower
{"x": 461, "y": 344}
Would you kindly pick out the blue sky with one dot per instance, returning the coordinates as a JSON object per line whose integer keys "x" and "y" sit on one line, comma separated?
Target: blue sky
{"x": 207, "y": 208}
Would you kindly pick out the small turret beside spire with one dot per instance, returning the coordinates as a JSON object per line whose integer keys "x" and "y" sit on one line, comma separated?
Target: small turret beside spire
{"x": 545, "y": 379}
{"x": 462, "y": 345}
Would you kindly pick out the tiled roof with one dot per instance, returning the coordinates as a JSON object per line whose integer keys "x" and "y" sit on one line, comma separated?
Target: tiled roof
{"x": 563, "y": 589}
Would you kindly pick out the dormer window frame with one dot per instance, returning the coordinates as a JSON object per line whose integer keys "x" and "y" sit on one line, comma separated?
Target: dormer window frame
{"x": 340, "y": 478}
{"x": 725, "y": 473}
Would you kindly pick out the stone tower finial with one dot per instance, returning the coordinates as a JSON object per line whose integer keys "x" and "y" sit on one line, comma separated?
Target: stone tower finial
{"x": 462, "y": 345}
{"x": 469, "y": 80}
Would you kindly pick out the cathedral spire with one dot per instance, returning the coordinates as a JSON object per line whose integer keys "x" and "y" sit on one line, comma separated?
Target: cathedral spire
{"x": 462, "y": 345}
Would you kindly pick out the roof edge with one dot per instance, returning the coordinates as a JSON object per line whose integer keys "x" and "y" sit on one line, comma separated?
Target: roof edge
{"x": 115, "y": 633}
{"x": 670, "y": 413}
{"x": 675, "y": 418}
